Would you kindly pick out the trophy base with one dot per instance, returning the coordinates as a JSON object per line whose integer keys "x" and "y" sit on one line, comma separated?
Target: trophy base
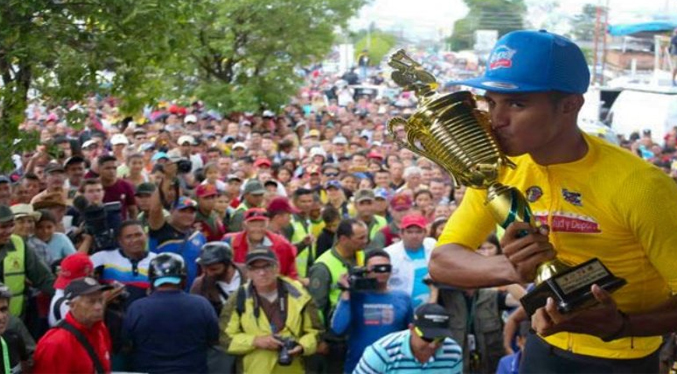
{"x": 571, "y": 288}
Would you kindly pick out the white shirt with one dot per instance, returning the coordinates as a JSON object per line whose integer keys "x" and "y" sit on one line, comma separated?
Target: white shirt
{"x": 229, "y": 287}
{"x": 403, "y": 274}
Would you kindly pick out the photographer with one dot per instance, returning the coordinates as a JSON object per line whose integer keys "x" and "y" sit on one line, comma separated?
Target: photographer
{"x": 368, "y": 315}
{"x": 351, "y": 238}
{"x": 271, "y": 320}
{"x": 116, "y": 189}
{"x": 99, "y": 220}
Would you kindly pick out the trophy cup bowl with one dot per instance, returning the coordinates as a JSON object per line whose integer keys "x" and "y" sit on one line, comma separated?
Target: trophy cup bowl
{"x": 453, "y": 133}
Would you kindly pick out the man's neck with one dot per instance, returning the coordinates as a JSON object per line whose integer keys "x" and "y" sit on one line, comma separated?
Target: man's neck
{"x": 252, "y": 242}
{"x": 107, "y": 182}
{"x": 267, "y": 289}
{"x": 134, "y": 256}
{"x": 345, "y": 253}
{"x": 570, "y": 146}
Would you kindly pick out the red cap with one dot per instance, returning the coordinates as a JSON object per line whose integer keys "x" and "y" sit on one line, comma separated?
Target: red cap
{"x": 263, "y": 162}
{"x": 75, "y": 266}
{"x": 206, "y": 190}
{"x": 413, "y": 220}
{"x": 281, "y": 204}
{"x": 255, "y": 214}
{"x": 374, "y": 154}
{"x": 401, "y": 202}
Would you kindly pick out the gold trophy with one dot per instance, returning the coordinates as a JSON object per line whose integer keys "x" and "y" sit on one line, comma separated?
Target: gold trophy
{"x": 452, "y": 132}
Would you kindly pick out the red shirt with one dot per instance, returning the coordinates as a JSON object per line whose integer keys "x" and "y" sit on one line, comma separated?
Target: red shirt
{"x": 60, "y": 352}
{"x": 285, "y": 251}
{"x": 123, "y": 192}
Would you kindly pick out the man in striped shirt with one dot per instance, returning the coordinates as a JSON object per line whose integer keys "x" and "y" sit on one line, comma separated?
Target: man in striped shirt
{"x": 426, "y": 347}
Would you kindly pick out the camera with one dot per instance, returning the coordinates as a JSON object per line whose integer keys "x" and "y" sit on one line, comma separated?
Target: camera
{"x": 183, "y": 166}
{"x": 358, "y": 281}
{"x": 102, "y": 223}
{"x": 283, "y": 357}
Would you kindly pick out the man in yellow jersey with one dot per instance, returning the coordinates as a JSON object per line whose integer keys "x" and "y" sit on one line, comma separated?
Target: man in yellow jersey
{"x": 594, "y": 199}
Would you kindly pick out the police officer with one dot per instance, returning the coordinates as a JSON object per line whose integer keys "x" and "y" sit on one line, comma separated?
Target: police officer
{"x": 170, "y": 312}
{"x": 20, "y": 263}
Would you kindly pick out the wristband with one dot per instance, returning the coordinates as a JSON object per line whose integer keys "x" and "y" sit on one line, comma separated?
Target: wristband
{"x": 619, "y": 333}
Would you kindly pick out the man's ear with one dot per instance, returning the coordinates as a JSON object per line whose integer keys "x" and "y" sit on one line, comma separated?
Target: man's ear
{"x": 572, "y": 104}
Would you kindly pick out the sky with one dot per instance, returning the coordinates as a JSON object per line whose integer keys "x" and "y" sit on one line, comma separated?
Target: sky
{"x": 425, "y": 19}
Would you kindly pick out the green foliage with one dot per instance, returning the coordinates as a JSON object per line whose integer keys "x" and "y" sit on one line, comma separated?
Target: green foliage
{"x": 501, "y": 15}
{"x": 583, "y": 25}
{"x": 235, "y": 54}
{"x": 247, "y": 51}
{"x": 65, "y": 49}
{"x": 380, "y": 43}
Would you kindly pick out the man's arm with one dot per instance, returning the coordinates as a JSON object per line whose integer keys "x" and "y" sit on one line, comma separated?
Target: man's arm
{"x": 38, "y": 273}
{"x": 459, "y": 266}
{"x": 233, "y": 339}
{"x": 312, "y": 329}
{"x": 155, "y": 217}
{"x": 319, "y": 288}
{"x": 340, "y": 320}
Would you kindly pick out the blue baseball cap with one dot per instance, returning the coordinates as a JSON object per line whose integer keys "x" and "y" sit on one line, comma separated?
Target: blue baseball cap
{"x": 534, "y": 61}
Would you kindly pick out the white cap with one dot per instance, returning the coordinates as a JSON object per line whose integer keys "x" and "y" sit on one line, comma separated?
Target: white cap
{"x": 268, "y": 113}
{"x": 175, "y": 155}
{"x": 340, "y": 140}
{"x": 89, "y": 142}
{"x": 186, "y": 139}
{"x": 190, "y": 118}
{"x": 119, "y": 139}
{"x": 239, "y": 145}
{"x": 318, "y": 151}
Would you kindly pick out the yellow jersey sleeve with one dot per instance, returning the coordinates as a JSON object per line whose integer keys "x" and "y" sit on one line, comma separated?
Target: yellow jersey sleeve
{"x": 471, "y": 223}
{"x": 649, "y": 204}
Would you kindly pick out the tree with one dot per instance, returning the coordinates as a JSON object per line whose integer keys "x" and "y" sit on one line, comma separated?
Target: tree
{"x": 501, "y": 15}
{"x": 583, "y": 25}
{"x": 248, "y": 52}
{"x": 65, "y": 49}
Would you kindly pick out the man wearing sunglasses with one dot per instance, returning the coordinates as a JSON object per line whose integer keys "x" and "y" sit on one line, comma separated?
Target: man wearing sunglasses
{"x": 426, "y": 346}
{"x": 367, "y": 316}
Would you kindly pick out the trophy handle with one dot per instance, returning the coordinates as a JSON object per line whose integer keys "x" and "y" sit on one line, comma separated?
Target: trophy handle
{"x": 412, "y": 143}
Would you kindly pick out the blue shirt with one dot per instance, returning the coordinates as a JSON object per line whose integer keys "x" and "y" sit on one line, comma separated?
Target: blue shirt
{"x": 170, "y": 332}
{"x": 368, "y": 316}
{"x": 509, "y": 364}
{"x": 392, "y": 354}
{"x": 420, "y": 293}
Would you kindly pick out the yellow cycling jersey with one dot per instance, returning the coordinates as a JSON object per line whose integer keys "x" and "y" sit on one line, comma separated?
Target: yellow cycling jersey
{"x": 611, "y": 205}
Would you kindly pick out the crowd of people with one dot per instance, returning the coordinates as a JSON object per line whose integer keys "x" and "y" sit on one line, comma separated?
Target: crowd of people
{"x": 290, "y": 241}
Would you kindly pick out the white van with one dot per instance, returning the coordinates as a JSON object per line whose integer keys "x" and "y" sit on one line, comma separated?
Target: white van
{"x": 635, "y": 110}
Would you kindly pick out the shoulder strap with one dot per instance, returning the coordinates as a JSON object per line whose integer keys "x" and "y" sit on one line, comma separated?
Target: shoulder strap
{"x": 57, "y": 308}
{"x": 241, "y": 298}
{"x": 98, "y": 366}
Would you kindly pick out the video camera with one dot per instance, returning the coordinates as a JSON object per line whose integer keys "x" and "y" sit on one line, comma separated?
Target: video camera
{"x": 101, "y": 222}
{"x": 184, "y": 166}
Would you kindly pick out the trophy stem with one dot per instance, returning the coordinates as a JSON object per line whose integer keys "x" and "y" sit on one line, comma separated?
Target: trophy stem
{"x": 548, "y": 269}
